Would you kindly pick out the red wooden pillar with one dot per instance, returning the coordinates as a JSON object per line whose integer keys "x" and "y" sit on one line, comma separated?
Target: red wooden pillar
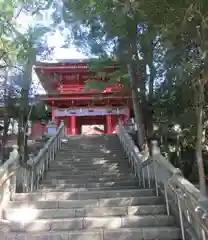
{"x": 114, "y": 122}
{"x": 78, "y": 125}
{"x": 53, "y": 115}
{"x": 109, "y": 123}
{"x": 68, "y": 125}
{"x": 73, "y": 125}
{"x": 53, "y": 112}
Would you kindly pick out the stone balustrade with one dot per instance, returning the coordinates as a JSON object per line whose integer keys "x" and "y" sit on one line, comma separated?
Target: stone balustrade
{"x": 14, "y": 176}
{"x": 182, "y": 198}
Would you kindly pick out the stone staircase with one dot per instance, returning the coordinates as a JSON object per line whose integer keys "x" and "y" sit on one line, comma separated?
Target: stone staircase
{"x": 90, "y": 193}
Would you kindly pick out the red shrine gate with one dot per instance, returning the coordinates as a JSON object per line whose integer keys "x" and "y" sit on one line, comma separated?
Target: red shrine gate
{"x": 66, "y": 95}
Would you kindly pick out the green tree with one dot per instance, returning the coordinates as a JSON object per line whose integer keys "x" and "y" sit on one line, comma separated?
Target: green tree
{"x": 27, "y": 57}
{"x": 172, "y": 44}
{"x": 103, "y": 24}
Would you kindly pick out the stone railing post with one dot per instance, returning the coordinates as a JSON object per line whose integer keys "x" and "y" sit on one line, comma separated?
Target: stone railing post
{"x": 182, "y": 199}
{"x": 13, "y": 181}
{"x": 8, "y": 178}
{"x": 7, "y": 186}
{"x": 155, "y": 148}
{"x": 155, "y": 152}
{"x": 46, "y": 155}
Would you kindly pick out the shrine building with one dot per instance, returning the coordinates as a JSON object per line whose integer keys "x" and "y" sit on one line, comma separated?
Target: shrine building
{"x": 65, "y": 86}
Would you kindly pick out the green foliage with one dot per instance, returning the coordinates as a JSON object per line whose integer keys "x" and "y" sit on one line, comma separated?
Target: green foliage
{"x": 39, "y": 112}
{"x": 7, "y": 26}
{"x": 13, "y": 44}
{"x": 100, "y": 66}
{"x": 172, "y": 44}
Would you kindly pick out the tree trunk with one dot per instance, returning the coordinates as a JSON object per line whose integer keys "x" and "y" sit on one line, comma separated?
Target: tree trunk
{"x": 6, "y": 118}
{"x": 137, "y": 86}
{"x": 149, "y": 106}
{"x": 149, "y": 127}
{"x": 24, "y": 108}
{"x": 5, "y": 137}
{"x": 136, "y": 105}
{"x": 199, "y": 136}
{"x": 22, "y": 138}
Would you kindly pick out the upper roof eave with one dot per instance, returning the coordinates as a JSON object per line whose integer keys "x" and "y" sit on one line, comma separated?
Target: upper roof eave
{"x": 62, "y": 62}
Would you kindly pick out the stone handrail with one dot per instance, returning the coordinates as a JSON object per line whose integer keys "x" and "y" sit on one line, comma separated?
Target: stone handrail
{"x": 182, "y": 198}
{"x": 8, "y": 179}
{"x": 13, "y": 176}
{"x": 42, "y": 161}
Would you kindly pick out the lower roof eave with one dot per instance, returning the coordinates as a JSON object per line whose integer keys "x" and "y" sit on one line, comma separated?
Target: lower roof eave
{"x": 48, "y": 99}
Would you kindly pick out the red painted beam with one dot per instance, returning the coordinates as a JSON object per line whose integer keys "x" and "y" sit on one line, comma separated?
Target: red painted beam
{"x": 69, "y": 66}
{"x": 100, "y": 94}
{"x": 69, "y": 69}
{"x": 87, "y": 98}
{"x": 81, "y": 88}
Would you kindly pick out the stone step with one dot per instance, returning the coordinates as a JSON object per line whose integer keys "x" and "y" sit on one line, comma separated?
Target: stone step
{"x": 90, "y": 193}
{"x": 103, "y": 202}
{"x": 77, "y": 170}
{"x": 96, "y": 149}
{"x": 103, "y": 145}
{"x": 68, "y": 188}
{"x": 89, "y": 178}
{"x": 62, "y": 183}
{"x": 92, "y": 152}
{"x": 90, "y": 143}
{"x": 99, "y": 171}
{"x": 83, "y": 138}
{"x": 34, "y": 213}
{"x": 91, "y": 222}
{"x": 88, "y": 164}
{"x": 146, "y": 233}
{"x": 90, "y": 159}
{"x": 87, "y": 158}
{"x": 93, "y": 181}
{"x": 38, "y": 196}
{"x": 86, "y": 175}
{"x": 92, "y": 170}
{"x": 88, "y": 167}
{"x": 88, "y": 138}
{"x": 79, "y": 178}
